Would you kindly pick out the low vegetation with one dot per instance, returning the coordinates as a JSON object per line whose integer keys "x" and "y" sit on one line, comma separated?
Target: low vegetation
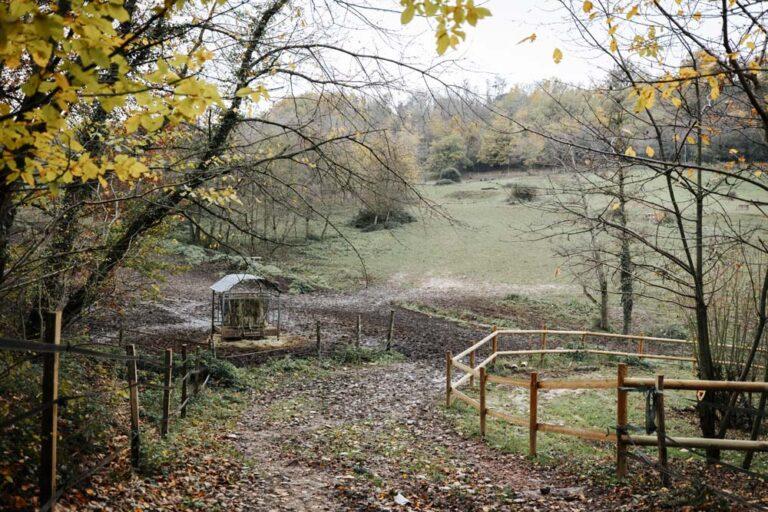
{"x": 590, "y": 409}
{"x": 367, "y": 220}
{"x": 518, "y": 193}
{"x": 450, "y": 174}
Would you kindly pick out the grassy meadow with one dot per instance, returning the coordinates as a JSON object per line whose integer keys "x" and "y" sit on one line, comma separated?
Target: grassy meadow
{"x": 468, "y": 233}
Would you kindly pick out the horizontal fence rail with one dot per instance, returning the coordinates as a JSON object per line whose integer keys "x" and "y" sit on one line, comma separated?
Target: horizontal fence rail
{"x": 622, "y": 384}
{"x": 584, "y": 336}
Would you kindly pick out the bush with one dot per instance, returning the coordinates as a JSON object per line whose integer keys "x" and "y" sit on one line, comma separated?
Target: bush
{"x": 450, "y": 173}
{"x": 521, "y": 193}
{"x": 226, "y": 374}
{"x": 367, "y": 220}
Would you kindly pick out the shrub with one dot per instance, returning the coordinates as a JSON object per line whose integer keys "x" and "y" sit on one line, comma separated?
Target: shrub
{"x": 367, "y": 220}
{"x": 450, "y": 173}
{"x": 521, "y": 193}
{"x": 447, "y": 151}
{"x": 671, "y": 331}
{"x": 226, "y": 374}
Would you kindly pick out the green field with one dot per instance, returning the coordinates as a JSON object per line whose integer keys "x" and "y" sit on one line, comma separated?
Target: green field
{"x": 468, "y": 234}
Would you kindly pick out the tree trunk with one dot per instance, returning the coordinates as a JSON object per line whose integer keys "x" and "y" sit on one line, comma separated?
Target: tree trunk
{"x": 626, "y": 268}
{"x": 604, "y": 305}
{"x": 707, "y": 369}
{"x": 627, "y": 286}
{"x": 7, "y": 216}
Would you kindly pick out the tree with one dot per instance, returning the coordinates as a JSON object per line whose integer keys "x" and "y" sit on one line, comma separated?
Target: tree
{"x": 677, "y": 108}
{"x": 81, "y": 78}
{"x": 446, "y": 152}
{"x": 118, "y": 137}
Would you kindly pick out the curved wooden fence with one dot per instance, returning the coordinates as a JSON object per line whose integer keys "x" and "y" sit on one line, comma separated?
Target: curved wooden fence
{"x": 623, "y": 384}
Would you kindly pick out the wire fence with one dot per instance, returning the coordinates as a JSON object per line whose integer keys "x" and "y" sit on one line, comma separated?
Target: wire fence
{"x": 167, "y": 378}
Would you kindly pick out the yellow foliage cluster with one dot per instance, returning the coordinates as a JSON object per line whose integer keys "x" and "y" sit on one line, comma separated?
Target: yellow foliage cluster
{"x": 62, "y": 59}
{"x": 450, "y": 16}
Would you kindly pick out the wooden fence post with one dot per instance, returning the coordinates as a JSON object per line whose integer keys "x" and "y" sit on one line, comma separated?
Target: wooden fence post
{"x": 317, "y": 339}
{"x": 621, "y": 422}
{"x": 483, "y": 408}
{"x": 198, "y": 368}
{"x": 391, "y": 330}
{"x": 359, "y": 330}
{"x": 279, "y": 315}
{"x": 133, "y": 391}
{"x": 448, "y": 377}
{"x": 494, "y": 344}
{"x": 661, "y": 430}
{"x": 184, "y": 380}
{"x": 640, "y": 345}
{"x": 472, "y": 365}
{"x": 533, "y": 411}
{"x": 213, "y": 322}
{"x": 543, "y": 343}
{"x": 49, "y": 418}
{"x": 167, "y": 381}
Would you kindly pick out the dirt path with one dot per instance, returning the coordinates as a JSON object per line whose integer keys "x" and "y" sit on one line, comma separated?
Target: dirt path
{"x": 357, "y": 438}
{"x": 366, "y": 437}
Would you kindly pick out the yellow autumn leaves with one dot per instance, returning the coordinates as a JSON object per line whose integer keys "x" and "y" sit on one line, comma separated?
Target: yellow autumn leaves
{"x": 630, "y": 152}
{"x": 72, "y": 52}
{"x": 450, "y": 16}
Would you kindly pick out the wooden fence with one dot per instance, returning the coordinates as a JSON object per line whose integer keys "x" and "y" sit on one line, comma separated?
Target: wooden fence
{"x": 623, "y": 384}
{"x": 193, "y": 374}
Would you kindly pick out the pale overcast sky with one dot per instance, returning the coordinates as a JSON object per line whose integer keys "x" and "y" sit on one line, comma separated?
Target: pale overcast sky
{"x": 492, "y": 47}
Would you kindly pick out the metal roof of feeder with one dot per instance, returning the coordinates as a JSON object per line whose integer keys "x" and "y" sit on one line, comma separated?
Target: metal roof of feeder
{"x": 229, "y": 281}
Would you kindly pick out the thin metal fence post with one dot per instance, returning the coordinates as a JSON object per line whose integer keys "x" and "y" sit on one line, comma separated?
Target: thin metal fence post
{"x": 391, "y": 329}
{"x": 448, "y": 377}
{"x": 358, "y": 330}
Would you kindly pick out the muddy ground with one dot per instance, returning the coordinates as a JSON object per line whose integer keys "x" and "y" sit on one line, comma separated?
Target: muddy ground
{"x": 362, "y": 438}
